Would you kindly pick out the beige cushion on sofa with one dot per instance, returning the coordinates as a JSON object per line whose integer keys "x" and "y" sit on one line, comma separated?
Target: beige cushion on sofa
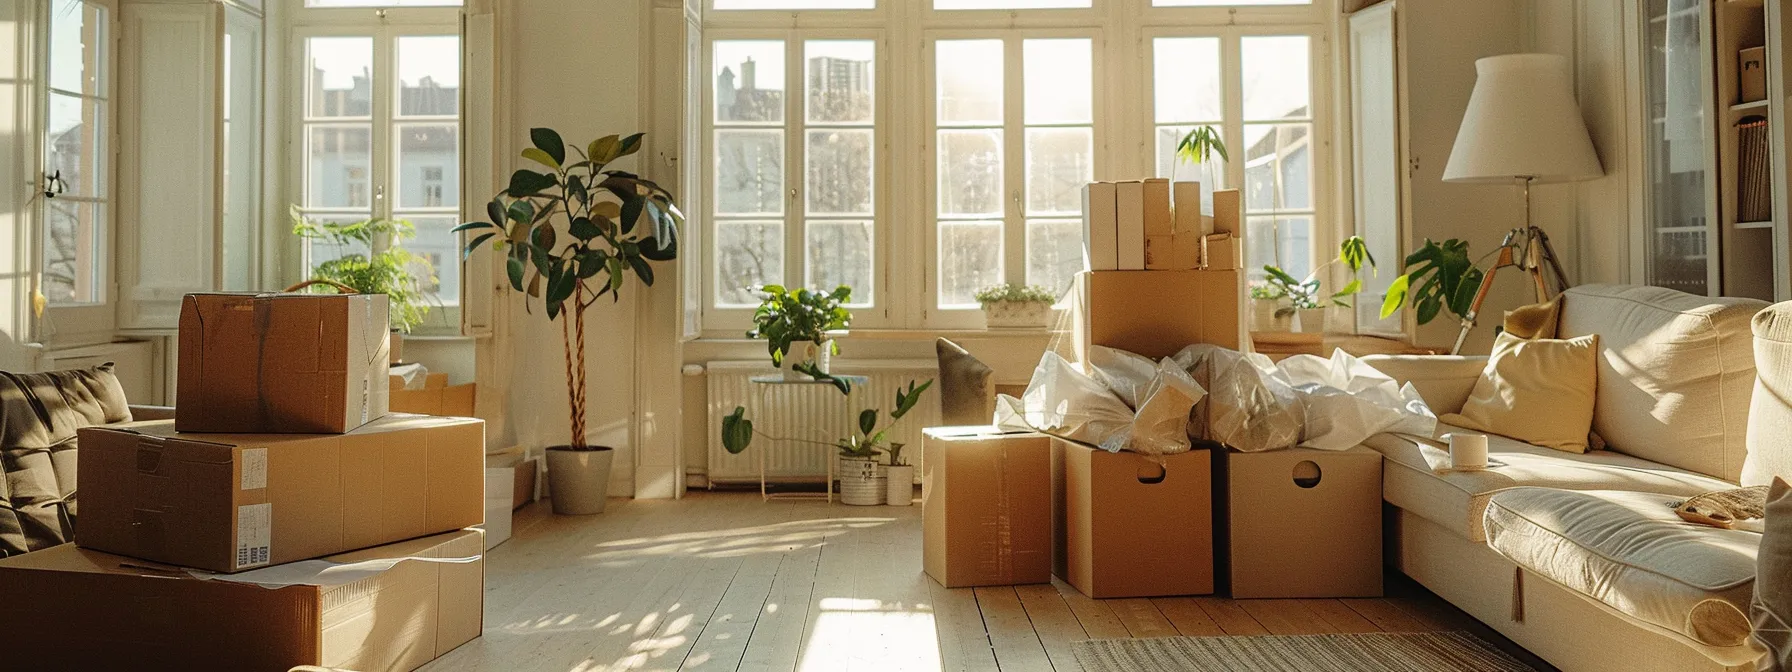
{"x": 1770, "y": 412}
{"x": 1539, "y": 391}
{"x": 1628, "y": 551}
{"x": 1675, "y": 373}
{"x": 1456, "y": 499}
{"x": 1771, "y": 610}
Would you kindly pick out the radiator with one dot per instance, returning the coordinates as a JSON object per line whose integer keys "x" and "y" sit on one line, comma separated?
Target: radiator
{"x": 816, "y": 412}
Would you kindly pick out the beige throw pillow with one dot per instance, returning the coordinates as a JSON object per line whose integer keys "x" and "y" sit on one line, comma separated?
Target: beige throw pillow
{"x": 1537, "y": 391}
{"x": 1535, "y": 321}
{"x": 1771, "y": 609}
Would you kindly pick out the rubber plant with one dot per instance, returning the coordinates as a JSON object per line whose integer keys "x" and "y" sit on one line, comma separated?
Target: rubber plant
{"x": 573, "y": 234}
{"x": 392, "y": 271}
{"x": 1439, "y": 277}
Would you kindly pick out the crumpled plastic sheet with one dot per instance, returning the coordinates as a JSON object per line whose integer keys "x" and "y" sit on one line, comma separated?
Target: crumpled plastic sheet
{"x": 1347, "y": 401}
{"x": 1250, "y": 406}
{"x": 1125, "y": 403}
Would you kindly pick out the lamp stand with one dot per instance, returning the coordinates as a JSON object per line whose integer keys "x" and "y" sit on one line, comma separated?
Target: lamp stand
{"x": 1526, "y": 249}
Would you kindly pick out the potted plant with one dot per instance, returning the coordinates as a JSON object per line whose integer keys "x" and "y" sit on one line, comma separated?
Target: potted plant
{"x": 862, "y": 480}
{"x": 571, "y": 236}
{"x": 1199, "y": 146}
{"x": 795, "y": 327}
{"x": 901, "y": 478}
{"x": 1439, "y": 277}
{"x": 1016, "y": 306}
{"x": 1266, "y": 308}
{"x": 376, "y": 263}
{"x": 1304, "y": 295}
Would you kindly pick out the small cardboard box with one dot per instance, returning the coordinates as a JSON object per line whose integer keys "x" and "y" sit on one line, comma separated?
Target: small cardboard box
{"x": 1158, "y": 221}
{"x": 1302, "y": 523}
{"x": 1189, "y": 218}
{"x": 281, "y": 363}
{"x": 231, "y": 502}
{"x": 1125, "y": 526}
{"x": 1157, "y": 313}
{"x": 1101, "y": 228}
{"x": 1222, "y": 252}
{"x": 436, "y": 398}
{"x": 1751, "y": 73}
{"x": 986, "y": 507}
{"x": 1129, "y": 209}
{"x": 1228, "y": 212}
{"x": 89, "y": 610}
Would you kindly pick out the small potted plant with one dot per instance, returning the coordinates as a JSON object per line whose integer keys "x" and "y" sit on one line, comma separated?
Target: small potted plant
{"x": 392, "y": 271}
{"x": 1266, "y": 308}
{"x": 1017, "y": 306}
{"x": 901, "y": 478}
{"x": 1304, "y": 295}
{"x": 863, "y": 482}
{"x": 796, "y": 327}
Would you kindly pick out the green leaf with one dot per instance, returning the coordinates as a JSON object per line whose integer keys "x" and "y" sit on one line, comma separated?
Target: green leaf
{"x": 867, "y": 421}
{"x": 469, "y": 226}
{"x": 629, "y": 145}
{"x": 1396, "y": 296}
{"x": 521, "y": 211}
{"x": 526, "y": 183}
{"x": 737, "y": 431}
{"x": 642, "y": 270}
{"x": 475, "y": 245}
{"x": 631, "y": 213}
{"x": 542, "y": 157}
{"x": 605, "y": 149}
{"x": 906, "y": 402}
{"x": 544, "y": 236}
{"x": 495, "y": 210}
{"x": 658, "y": 249}
{"x": 514, "y": 268}
{"x": 582, "y": 229}
{"x": 561, "y": 283}
{"x": 549, "y": 142}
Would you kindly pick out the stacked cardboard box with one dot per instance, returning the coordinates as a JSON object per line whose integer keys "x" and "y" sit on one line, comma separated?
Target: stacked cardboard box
{"x": 986, "y": 507}
{"x": 1137, "y": 225}
{"x": 281, "y": 453}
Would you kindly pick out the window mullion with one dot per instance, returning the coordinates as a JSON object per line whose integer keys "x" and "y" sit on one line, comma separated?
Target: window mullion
{"x": 1232, "y": 67}
{"x": 385, "y": 55}
{"x": 796, "y": 190}
{"x": 1014, "y": 177}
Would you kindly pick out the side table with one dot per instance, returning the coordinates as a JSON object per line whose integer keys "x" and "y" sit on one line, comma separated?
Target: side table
{"x": 771, "y": 383}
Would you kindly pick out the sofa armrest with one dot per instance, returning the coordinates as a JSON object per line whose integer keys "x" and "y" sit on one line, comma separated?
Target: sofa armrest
{"x": 1444, "y": 381}
{"x": 152, "y": 412}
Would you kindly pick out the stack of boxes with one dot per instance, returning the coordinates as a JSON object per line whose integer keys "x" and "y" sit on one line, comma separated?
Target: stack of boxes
{"x": 199, "y": 539}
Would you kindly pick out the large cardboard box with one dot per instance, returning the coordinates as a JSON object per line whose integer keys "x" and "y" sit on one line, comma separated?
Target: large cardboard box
{"x": 1126, "y": 526}
{"x": 1302, "y": 523}
{"x": 986, "y": 507}
{"x": 230, "y": 502}
{"x": 275, "y": 363}
{"x": 79, "y": 609}
{"x": 1158, "y": 313}
{"x": 436, "y": 398}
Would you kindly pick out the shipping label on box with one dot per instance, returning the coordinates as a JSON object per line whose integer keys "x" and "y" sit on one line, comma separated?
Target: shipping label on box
{"x": 230, "y": 502}
{"x": 277, "y": 363}
{"x": 1128, "y": 525}
{"x": 1157, "y": 313}
{"x": 1302, "y": 523}
{"x": 985, "y": 507}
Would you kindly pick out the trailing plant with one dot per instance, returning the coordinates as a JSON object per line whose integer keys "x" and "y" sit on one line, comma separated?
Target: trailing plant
{"x": 393, "y": 271}
{"x": 869, "y": 439}
{"x": 574, "y": 234}
{"x": 785, "y": 317}
{"x": 1439, "y": 277}
{"x": 1014, "y": 292}
{"x": 1305, "y": 294}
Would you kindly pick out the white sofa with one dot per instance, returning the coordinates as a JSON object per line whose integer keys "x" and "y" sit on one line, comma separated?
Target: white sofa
{"x": 1578, "y": 557}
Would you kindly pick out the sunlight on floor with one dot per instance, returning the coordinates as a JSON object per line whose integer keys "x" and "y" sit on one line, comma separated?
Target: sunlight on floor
{"x": 868, "y": 634}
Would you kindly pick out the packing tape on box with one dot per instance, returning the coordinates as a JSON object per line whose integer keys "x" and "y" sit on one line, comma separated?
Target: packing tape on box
{"x": 317, "y": 572}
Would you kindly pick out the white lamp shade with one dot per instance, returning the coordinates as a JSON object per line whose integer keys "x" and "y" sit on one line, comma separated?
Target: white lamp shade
{"x": 1522, "y": 122}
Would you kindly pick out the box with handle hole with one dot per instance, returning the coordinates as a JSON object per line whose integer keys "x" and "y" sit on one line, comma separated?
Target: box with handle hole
{"x": 1131, "y": 525}
{"x": 1300, "y": 523}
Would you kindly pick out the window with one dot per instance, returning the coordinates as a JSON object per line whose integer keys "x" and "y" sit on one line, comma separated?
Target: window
{"x": 921, "y": 151}
{"x": 381, "y": 132}
{"x": 76, "y": 151}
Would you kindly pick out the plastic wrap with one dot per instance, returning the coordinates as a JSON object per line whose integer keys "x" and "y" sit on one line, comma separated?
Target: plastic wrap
{"x": 1347, "y": 401}
{"x": 1250, "y": 406}
{"x": 1064, "y": 402}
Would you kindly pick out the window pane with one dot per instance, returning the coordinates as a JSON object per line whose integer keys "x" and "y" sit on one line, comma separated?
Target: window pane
{"x": 1059, "y": 78}
{"x": 842, "y": 88}
{"x": 840, "y": 179}
{"x": 1292, "y": 249}
{"x": 338, "y": 170}
{"x": 1054, "y": 253}
{"x": 795, "y": 4}
{"x": 435, "y": 245}
{"x": 970, "y": 173}
{"x": 840, "y": 253}
{"x": 1059, "y": 162}
{"x": 429, "y": 75}
{"x": 1221, "y": 3}
{"x": 382, "y": 3}
{"x": 72, "y": 234}
{"x": 428, "y": 166}
{"x": 970, "y": 260}
{"x": 749, "y": 255}
{"x": 1278, "y": 170}
{"x": 341, "y": 76}
{"x": 77, "y": 44}
{"x": 749, "y": 80}
{"x": 1186, "y": 81}
{"x": 1211, "y": 175}
{"x": 1010, "y": 4}
{"x": 968, "y": 76}
{"x": 1276, "y": 80}
{"x": 72, "y": 144}
{"x": 750, "y": 172}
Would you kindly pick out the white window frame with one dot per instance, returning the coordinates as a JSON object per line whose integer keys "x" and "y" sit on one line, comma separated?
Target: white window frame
{"x": 1121, "y": 31}
{"x": 385, "y": 25}
{"x": 72, "y": 323}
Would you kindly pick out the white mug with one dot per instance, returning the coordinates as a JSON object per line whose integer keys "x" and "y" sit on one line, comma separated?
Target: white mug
{"x": 1467, "y": 451}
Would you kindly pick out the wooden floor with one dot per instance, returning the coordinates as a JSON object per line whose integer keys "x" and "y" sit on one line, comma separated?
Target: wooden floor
{"x": 723, "y": 581}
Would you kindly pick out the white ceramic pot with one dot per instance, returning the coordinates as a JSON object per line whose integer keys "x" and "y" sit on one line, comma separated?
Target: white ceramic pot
{"x": 806, "y": 351}
{"x": 1264, "y": 318}
{"x": 1312, "y": 320}
{"x": 1017, "y": 315}
{"x": 579, "y": 480}
{"x": 901, "y": 485}
{"x": 862, "y": 481}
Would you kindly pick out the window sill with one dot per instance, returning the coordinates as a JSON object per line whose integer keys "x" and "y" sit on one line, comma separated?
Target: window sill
{"x": 914, "y": 335}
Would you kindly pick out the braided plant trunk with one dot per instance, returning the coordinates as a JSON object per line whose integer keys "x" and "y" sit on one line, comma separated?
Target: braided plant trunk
{"x": 572, "y": 337}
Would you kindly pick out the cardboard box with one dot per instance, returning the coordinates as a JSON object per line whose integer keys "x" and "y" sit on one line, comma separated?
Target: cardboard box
{"x": 1228, "y": 212}
{"x": 276, "y": 363}
{"x": 1157, "y": 313}
{"x": 500, "y": 491}
{"x": 1751, "y": 71}
{"x": 1100, "y": 226}
{"x": 1188, "y": 208}
{"x": 1158, "y": 221}
{"x": 1126, "y": 526}
{"x": 89, "y": 610}
{"x": 231, "y": 502}
{"x": 1222, "y": 252}
{"x": 436, "y": 398}
{"x": 1302, "y": 523}
{"x": 1129, "y": 200}
{"x": 986, "y": 507}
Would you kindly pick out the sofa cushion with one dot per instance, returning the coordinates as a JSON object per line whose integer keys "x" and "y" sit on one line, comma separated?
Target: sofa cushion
{"x": 1456, "y": 499}
{"x": 1770, "y": 409}
{"x": 1629, "y": 551}
{"x": 1537, "y": 390}
{"x": 39, "y": 413}
{"x": 1675, "y": 373}
{"x": 1771, "y": 608}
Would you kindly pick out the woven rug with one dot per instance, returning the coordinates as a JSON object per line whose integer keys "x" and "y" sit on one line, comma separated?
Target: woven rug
{"x": 1378, "y": 652}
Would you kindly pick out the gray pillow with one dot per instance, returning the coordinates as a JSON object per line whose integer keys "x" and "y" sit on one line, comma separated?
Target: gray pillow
{"x": 39, "y": 416}
{"x": 967, "y": 387}
{"x": 1771, "y": 609}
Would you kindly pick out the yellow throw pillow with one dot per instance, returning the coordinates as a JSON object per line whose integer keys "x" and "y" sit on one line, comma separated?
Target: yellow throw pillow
{"x": 1537, "y": 391}
{"x": 1538, "y": 320}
